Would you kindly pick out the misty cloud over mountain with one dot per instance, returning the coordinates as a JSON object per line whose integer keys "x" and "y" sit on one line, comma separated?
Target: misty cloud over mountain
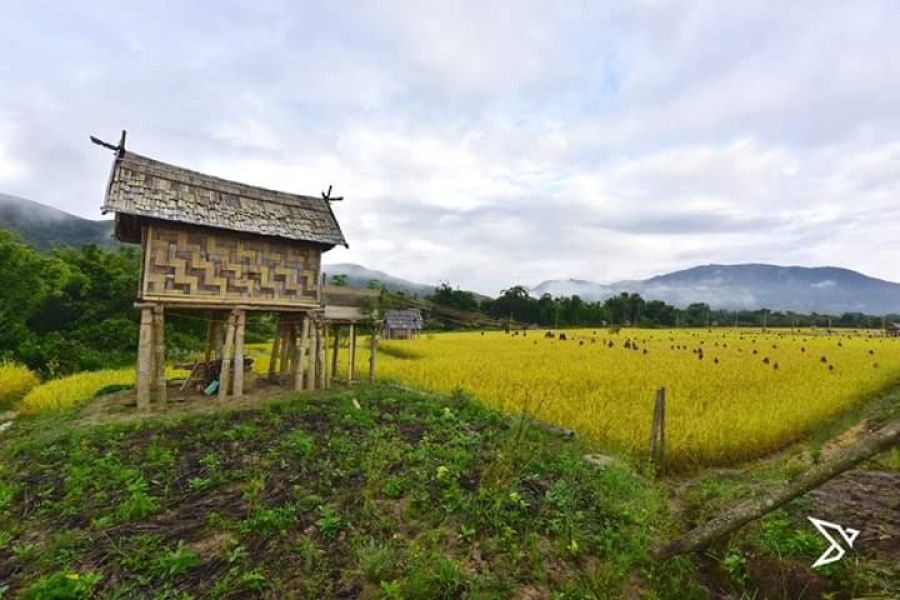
{"x": 827, "y": 290}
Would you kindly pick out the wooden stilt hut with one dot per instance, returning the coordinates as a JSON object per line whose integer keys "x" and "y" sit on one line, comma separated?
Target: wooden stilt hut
{"x": 346, "y": 310}
{"x": 222, "y": 248}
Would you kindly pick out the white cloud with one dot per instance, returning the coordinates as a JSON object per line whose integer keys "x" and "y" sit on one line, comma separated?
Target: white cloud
{"x": 486, "y": 145}
{"x": 11, "y": 169}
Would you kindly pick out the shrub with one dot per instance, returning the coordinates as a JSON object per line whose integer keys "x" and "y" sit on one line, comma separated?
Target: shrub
{"x": 15, "y": 382}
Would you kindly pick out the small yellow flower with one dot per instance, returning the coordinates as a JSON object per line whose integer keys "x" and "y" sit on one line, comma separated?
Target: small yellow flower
{"x": 441, "y": 471}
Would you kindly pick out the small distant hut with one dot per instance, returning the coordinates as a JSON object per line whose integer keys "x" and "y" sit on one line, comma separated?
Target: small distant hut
{"x": 346, "y": 308}
{"x": 223, "y": 248}
{"x": 892, "y": 330}
{"x": 402, "y": 324}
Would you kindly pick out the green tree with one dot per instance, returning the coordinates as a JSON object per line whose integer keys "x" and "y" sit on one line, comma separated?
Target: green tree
{"x": 446, "y": 295}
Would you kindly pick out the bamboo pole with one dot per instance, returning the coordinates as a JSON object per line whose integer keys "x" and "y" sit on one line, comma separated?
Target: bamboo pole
{"x": 313, "y": 356}
{"x": 159, "y": 354}
{"x": 284, "y": 351}
{"x": 225, "y": 371}
{"x": 323, "y": 349}
{"x": 210, "y": 338}
{"x": 145, "y": 359}
{"x": 240, "y": 327}
{"x": 220, "y": 337}
{"x": 336, "y": 342}
{"x": 351, "y": 368}
{"x": 292, "y": 347}
{"x": 276, "y": 350}
{"x": 301, "y": 355}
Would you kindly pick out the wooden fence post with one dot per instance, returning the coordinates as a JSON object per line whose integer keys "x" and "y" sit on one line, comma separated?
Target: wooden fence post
{"x": 658, "y": 432}
{"x": 870, "y": 444}
{"x": 373, "y": 349}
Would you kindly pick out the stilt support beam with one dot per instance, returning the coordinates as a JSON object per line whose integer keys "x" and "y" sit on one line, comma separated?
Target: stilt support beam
{"x": 240, "y": 326}
{"x": 145, "y": 359}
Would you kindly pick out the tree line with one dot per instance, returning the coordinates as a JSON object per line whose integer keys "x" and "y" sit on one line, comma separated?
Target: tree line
{"x": 630, "y": 309}
{"x": 72, "y": 309}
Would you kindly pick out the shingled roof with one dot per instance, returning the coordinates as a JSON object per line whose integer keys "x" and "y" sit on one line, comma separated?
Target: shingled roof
{"x": 409, "y": 318}
{"x": 145, "y": 187}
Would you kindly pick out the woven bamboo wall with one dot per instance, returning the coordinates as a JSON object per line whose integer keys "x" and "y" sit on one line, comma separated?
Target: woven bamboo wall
{"x": 199, "y": 265}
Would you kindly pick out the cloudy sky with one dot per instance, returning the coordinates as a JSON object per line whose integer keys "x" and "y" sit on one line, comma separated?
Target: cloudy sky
{"x": 488, "y": 144}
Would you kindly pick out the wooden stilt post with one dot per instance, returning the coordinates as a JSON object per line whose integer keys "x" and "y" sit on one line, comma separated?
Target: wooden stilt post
{"x": 373, "y": 349}
{"x": 313, "y": 356}
{"x": 240, "y": 326}
{"x": 301, "y": 355}
{"x": 285, "y": 350}
{"x": 145, "y": 359}
{"x": 220, "y": 337}
{"x": 210, "y": 338}
{"x": 225, "y": 372}
{"x": 276, "y": 351}
{"x": 351, "y": 368}
{"x": 159, "y": 354}
{"x": 323, "y": 347}
{"x": 336, "y": 342}
{"x": 292, "y": 347}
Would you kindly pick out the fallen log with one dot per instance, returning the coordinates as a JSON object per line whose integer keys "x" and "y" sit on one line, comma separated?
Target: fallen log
{"x": 878, "y": 441}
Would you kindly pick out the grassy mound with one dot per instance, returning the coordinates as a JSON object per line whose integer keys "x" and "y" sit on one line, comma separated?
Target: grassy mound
{"x": 370, "y": 492}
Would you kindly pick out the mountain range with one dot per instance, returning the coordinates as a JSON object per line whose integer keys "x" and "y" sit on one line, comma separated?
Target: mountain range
{"x": 359, "y": 276}
{"x": 825, "y": 290}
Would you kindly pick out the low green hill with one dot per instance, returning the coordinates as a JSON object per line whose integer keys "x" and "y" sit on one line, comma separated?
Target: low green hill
{"x": 45, "y": 227}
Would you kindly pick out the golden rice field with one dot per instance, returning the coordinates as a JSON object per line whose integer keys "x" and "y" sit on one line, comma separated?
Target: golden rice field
{"x": 15, "y": 382}
{"x": 732, "y": 395}
{"x": 62, "y": 393}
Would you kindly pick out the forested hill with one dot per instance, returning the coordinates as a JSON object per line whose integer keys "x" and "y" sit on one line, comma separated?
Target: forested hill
{"x": 45, "y": 227}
